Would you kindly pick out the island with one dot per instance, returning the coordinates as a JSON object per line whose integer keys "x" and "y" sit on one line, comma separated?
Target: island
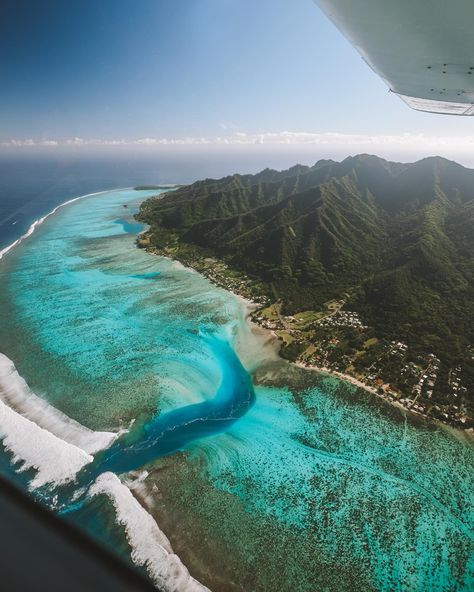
{"x": 362, "y": 268}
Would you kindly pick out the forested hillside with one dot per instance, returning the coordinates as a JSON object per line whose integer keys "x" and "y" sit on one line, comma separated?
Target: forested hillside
{"x": 393, "y": 242}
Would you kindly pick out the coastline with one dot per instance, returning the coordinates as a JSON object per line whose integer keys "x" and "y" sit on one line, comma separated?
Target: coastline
{"x": 275, "y": 341}
{"x": 34, "y": 225}
{"x": 384, "y": 396}
{"x": 359, "y": 384}
{"x": 252, "y": 306}
{"x": 267, "y": 337}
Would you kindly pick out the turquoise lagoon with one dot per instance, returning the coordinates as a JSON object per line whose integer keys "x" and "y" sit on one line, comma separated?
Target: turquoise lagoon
{"x": 297, "y": 482}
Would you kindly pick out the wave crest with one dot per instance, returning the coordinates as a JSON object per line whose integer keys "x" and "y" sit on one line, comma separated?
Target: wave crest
{"x": 15, "y": 393}
{"x": 150, "y": 546}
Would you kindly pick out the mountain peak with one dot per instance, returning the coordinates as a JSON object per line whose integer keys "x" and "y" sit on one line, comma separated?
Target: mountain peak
{"x": 438, "y": 162}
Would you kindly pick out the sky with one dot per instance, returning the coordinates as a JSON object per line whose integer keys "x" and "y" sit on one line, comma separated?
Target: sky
{"x": 200, "y": 72}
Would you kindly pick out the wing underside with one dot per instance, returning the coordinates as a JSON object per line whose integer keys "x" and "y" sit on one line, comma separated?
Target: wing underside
{"x": 423, "y": 49}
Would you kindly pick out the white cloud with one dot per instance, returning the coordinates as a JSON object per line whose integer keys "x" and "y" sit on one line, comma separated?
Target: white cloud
{"x": 329, "y": 139}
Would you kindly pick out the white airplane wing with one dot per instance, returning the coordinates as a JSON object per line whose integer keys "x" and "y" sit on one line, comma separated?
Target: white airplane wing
{"x": 423, "y": 49}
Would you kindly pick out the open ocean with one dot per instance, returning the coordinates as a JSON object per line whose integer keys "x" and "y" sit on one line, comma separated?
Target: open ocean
{"x": 238, "y": 471}
{"x": 32, "y": 184}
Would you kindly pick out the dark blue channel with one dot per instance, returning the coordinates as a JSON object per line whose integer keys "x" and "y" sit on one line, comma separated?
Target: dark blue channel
{"x": 173, "y": 430}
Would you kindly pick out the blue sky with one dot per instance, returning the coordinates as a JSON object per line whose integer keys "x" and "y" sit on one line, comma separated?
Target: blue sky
{"x": 125, "y": 70}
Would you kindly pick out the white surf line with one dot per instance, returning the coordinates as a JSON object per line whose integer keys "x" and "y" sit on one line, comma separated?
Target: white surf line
{"x": 150, "y": 546}
{"x": 38, "y": 435}
{"x": 16, "y": 394}
{"x": 54, "y": 460}
{"x": 40, "y": 221}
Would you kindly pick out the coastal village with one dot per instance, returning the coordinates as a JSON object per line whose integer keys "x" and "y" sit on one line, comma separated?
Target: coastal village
{"x": 336, "y": 340}
{"x": 339, "y": 342}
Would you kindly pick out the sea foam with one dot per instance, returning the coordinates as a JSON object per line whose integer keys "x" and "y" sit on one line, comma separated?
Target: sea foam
{"x": 54, "y": 460}
{"x": 150, "y": 546}
{"x": 15, "y": 393}
{"x": 39, "y": 436}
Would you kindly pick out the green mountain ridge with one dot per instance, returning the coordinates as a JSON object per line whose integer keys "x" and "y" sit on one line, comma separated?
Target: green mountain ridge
{"x": 321, "y": 226}
{"x": 398, "y": 238}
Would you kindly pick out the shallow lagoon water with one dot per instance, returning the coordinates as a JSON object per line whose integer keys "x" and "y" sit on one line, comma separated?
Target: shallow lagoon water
{"x": 315, "y": 486}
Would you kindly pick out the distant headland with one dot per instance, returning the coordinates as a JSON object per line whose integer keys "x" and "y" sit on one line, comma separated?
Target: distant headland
{"x": 157, "y": 187}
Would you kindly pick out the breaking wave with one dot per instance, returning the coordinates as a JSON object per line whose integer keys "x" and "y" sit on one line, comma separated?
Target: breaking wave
{"x": 57, "y": 447}
{"x": 39, "y": 436}
{"x": 150, "y": 546}
{"x": 15, "y": 393}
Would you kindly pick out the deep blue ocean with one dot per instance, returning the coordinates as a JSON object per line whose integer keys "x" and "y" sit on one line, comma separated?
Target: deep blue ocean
{"x": 31, "y": 184}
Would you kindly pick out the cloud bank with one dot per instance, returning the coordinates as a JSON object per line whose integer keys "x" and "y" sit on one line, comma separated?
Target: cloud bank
{"x": 285, "y": 138}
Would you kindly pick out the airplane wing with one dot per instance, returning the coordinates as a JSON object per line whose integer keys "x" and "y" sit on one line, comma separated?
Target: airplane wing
{"x": 422, "y": 49}
{"x": 40, "y": 551}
